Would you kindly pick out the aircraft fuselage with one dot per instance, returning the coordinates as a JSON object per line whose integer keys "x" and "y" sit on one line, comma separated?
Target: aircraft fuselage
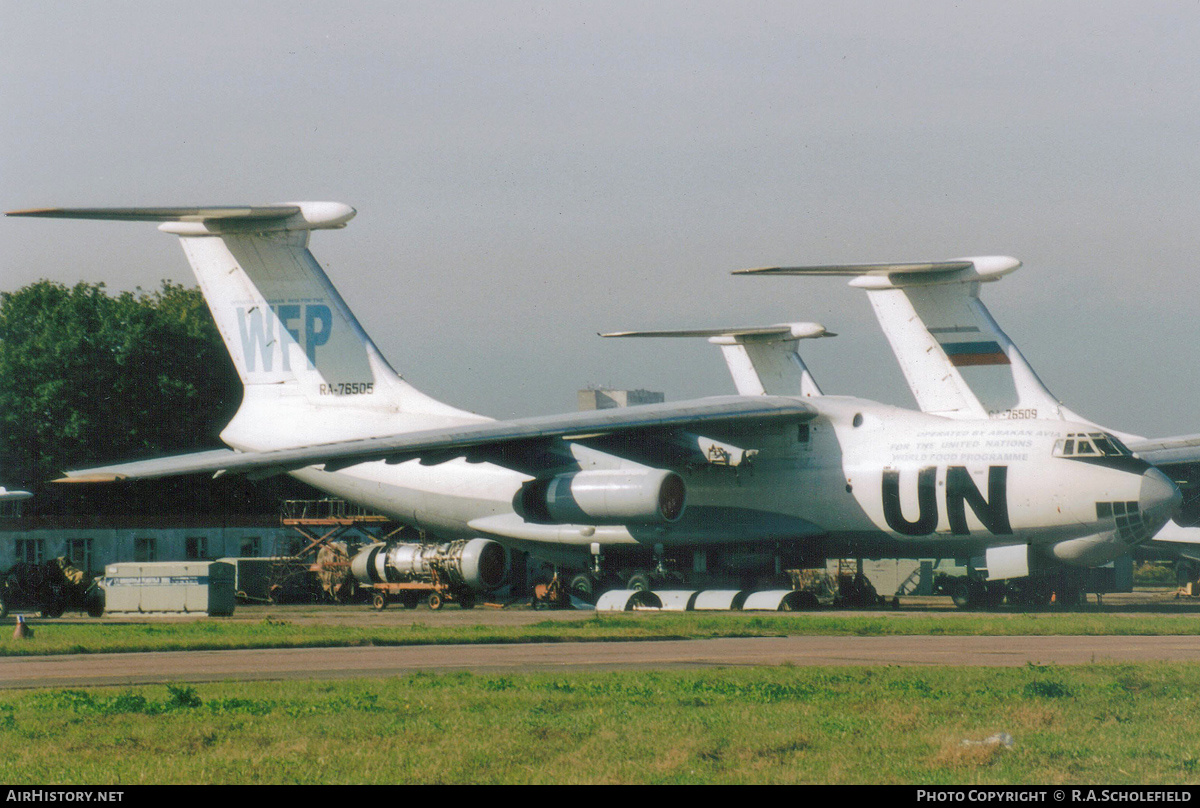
{"x": 862, "y": 476}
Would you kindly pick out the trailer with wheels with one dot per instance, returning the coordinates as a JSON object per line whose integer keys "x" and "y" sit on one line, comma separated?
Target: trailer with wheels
{"x": 410, "y": 595}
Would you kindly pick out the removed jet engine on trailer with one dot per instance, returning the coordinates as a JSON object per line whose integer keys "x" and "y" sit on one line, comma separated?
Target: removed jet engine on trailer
{"x": 451, "y": 571}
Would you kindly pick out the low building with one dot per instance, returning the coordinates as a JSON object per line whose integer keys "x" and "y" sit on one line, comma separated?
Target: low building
{"x": 598, "y": 399}
{"x": 94, "y": 543}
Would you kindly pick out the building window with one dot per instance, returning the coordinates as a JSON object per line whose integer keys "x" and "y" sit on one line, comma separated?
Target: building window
{"x": 79, "y": 552}
{"x": 145, "y": 549}
{"x": 197, "y": 548}
{"x": 29, "y": 551}
{"x": 250, "y": 547}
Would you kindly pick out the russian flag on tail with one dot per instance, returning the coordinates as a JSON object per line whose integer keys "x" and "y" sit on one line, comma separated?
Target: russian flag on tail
{"x": 968, "y": 354}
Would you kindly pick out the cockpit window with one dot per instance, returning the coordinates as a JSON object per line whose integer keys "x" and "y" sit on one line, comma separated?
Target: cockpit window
{"x": 1116, "y": 443}
{"x": 1090, "y": 444}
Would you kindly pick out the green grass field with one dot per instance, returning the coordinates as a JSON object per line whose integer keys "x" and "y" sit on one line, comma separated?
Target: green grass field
{"x": 1093, "y": 724}
{"x": 102, "y": 636}
{"x": 1085, "y": 725}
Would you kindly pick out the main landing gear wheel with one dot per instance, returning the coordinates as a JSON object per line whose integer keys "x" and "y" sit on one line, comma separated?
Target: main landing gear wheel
{"x": 582, "y": 587}
{"x": 639, "y": 582}
{"x": 965, "y": 594}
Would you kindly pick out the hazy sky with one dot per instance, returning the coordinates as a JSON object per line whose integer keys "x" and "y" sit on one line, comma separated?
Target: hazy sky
{"x": 527, "y": 174}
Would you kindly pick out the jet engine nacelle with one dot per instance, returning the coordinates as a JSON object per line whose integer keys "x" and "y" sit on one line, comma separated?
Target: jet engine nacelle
{"x": 607, "y": 497}
{"x": 480, "y": 564}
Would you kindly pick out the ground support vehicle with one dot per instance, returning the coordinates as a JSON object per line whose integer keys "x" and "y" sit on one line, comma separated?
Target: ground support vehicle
{"x": 51, "y": 587}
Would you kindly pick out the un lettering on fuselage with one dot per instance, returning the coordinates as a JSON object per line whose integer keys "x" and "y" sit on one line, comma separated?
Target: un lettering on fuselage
{"x": 961, "y": 491}
{"x": 309, "y": 325}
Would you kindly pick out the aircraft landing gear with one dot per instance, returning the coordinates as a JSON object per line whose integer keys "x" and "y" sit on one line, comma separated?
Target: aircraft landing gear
{"x": 582, "y": 586}
{"x": 1060, "y": 590}
{"x": 972, "y": 593}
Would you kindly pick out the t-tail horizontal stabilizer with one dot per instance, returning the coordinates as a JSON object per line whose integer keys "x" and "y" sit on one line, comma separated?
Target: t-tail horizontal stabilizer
{"x": 763, "y": 360}
{"x": 215, "y": 218}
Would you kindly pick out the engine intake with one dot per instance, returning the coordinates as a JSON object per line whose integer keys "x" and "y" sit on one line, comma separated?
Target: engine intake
{"x": 480, "y": 564}
{"x": 606, "y": 497}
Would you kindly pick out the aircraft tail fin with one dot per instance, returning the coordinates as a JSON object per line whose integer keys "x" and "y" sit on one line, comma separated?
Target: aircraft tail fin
{"x": 294, "y": 341}
{"x": 957, "y": 360}
{"x": 763, "y": 361}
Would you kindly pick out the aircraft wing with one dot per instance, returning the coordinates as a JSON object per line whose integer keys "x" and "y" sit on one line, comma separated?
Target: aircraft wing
{"x": 1175, "y": 540}
{"x": 724, "y": 414}
{"x": 1167, "y": 451}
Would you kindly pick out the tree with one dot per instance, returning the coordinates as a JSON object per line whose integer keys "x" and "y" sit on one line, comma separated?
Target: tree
{"x": 88, "y": 378}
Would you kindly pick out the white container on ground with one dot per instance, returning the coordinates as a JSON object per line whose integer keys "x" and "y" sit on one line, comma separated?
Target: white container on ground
{"x": 169, "y": 587}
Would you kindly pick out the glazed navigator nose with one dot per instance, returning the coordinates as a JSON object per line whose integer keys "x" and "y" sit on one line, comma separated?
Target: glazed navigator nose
{"x": 1159, "y": 499}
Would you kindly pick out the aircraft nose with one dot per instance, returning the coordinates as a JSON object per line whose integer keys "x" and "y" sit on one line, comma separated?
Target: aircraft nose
{"x": 1159, "y": 499}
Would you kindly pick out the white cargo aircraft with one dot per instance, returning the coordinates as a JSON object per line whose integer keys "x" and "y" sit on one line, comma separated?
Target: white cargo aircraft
{"x": 960, "y": 364}
{"x": 775, "y": 477}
